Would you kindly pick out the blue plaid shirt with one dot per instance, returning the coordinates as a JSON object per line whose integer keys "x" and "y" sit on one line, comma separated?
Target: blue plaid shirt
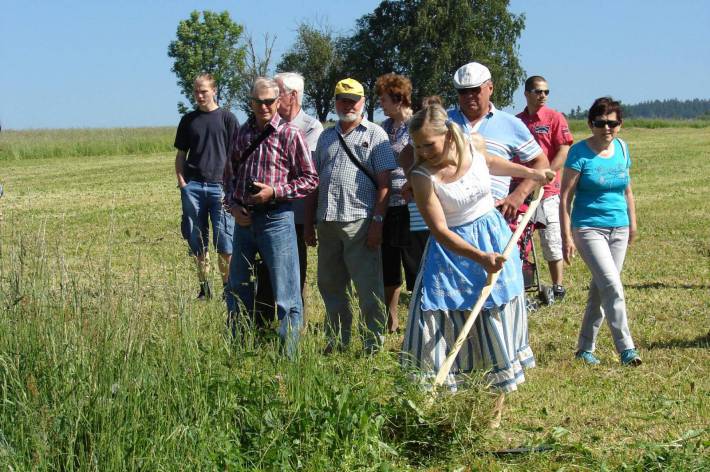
{"x": 345, "y": 193}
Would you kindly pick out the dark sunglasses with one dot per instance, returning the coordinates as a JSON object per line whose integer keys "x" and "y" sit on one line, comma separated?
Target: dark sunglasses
{"x": 264, "y": 101}
{"x": 540, "y": 91}
{"x": 603, "y": 123}
{"x": 466, "y": 91}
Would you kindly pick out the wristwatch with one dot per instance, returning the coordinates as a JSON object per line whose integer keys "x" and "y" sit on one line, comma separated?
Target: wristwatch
{"x": 378, "y": 218}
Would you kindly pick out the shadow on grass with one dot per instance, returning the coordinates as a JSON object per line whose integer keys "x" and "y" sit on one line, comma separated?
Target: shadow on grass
{"x": 657, "y": 285}
{"x": 702, "y": 341}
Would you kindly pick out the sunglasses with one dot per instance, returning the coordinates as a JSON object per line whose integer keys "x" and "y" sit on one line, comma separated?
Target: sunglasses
{"x": 603, "y": 123}
{"x": 264, "y": 101}
{"x": 540, "y": 92}
{"x": 466, "y": 91}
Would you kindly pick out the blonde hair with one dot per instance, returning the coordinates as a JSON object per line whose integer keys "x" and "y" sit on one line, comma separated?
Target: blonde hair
{"x": 434, "y": 118}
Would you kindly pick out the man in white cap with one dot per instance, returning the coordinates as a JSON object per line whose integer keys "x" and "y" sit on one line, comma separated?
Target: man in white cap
{"x": 506, "y": 136}
{"x": 353, "y": 159}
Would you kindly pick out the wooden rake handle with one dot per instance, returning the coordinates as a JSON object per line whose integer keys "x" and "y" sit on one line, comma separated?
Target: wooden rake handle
{"x": 486, "y": 291}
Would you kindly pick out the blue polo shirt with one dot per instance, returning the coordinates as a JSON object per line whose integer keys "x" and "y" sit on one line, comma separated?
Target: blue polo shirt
{"x": 506, "y": 136}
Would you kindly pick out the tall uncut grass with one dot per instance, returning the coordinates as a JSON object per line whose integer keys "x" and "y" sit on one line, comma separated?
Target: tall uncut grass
{"x": 108, "y": 363}
{"x": 102, "y": 372}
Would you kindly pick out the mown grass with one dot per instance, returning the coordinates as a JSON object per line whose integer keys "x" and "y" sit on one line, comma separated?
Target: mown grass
{"x": 107, "y": 363}
{"x": 581, "y": 126}
{"x": 32, "y": 144}
{"x": 88, "y": 142}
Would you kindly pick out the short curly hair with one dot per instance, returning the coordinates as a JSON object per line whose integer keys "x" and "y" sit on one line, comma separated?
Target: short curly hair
{"x": 398, "y": 87}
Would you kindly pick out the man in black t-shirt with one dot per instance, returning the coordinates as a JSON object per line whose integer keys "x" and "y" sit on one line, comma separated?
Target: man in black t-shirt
{"x": 203, "y": 141}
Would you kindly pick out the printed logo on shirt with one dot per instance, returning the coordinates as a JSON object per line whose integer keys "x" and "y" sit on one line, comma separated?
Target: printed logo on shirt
{"x": 542, "y": 129}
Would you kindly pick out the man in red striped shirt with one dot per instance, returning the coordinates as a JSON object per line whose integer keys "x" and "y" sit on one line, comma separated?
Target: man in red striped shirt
{"x": 270, "y": 166}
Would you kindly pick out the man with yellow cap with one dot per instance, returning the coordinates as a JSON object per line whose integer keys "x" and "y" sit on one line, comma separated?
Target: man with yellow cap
{"x": 353, "y": 160}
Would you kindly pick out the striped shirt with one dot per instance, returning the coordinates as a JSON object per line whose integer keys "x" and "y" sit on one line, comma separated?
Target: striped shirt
{"x": 345, "y": 192}
{"x": 281, "y": 161}
{"x": 506, "y": 136}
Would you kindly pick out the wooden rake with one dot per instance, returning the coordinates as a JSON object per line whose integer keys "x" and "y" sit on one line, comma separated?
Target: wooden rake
{"x": 486, "y": 291}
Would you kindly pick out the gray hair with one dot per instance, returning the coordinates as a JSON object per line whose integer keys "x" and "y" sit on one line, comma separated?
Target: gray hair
{"x": 292, "y": 81}
{"x": 261, "y": 83}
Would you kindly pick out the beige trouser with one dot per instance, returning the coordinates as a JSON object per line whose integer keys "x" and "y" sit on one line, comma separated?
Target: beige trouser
{"x": 343, "y": 256}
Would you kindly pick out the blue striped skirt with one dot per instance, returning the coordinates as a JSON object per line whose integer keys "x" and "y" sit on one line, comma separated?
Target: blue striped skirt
{"x": 497, "y": 343}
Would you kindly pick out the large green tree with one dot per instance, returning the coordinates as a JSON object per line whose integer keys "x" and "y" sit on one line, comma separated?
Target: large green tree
{"x": 429, "y": 39}
{"x": 315, "y": 55}
{"x": 369, "y": 53}
{"x": 209, "y": 42}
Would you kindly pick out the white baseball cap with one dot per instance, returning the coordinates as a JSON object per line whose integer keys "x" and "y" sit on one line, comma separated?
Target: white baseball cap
{"x": 471, "y": 75}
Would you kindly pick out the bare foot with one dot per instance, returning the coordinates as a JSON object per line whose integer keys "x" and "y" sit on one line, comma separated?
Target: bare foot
{"x": 497, "y": 412}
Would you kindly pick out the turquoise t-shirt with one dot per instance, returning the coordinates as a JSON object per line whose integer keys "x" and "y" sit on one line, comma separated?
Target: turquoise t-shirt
{"x": 599, "y": 199}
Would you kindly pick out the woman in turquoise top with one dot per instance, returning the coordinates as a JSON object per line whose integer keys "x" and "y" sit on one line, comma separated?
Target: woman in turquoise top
{"x": 602, "y": 225}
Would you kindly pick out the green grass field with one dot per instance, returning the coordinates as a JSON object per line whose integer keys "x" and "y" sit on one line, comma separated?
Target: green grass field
{"x": 108, "y": 363}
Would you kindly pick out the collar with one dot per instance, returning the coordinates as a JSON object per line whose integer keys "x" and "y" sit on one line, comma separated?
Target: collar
{"x": 475, "y": 126}
{"x": 274, "y": 122}
{"x": 301, "y": 115}
{"x": 541, "y": 111}
{"x": 491, "y": 111}
{"x": 364, "y": 123}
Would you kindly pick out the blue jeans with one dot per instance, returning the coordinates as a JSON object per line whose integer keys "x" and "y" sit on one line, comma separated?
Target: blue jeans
{"x": 273, "y": 235}
{"x": 200, "y": 200}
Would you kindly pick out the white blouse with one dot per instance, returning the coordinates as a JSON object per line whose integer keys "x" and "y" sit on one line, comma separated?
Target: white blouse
{"x": 468, "y": 198}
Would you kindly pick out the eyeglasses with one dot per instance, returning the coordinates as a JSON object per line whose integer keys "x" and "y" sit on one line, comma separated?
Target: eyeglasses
{"x": 603, "y": 123}
{"x": 264, "y": 101}
{"x": 540, "y": 92}
{"x": 472, "y": 90}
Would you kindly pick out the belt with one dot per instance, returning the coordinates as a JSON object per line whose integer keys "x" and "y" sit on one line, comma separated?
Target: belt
{"x": 264, "y": 207}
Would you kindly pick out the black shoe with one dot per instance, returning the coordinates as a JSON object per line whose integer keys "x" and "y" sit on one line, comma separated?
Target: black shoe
{"x": 205, "y": 291}
{"x": 559, "y": 292}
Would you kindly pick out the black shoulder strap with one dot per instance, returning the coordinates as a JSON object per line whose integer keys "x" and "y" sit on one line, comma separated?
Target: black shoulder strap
{"x": 252, "y": 146}
{"x": 357, "y": 163}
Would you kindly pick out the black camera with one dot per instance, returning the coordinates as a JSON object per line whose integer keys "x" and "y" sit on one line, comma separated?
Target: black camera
{"x": 252, "y": 188}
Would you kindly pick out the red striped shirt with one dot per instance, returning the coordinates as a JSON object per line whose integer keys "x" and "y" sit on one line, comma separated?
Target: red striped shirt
{"x": 282, "y": 161}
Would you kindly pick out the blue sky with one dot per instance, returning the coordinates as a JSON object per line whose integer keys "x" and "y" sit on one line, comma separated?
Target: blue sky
{"x": 71, "y": 63}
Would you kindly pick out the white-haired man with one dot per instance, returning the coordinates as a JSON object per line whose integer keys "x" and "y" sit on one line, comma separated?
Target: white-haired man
{"x": 270, "y": 166}
{"x": 291, "y": 86}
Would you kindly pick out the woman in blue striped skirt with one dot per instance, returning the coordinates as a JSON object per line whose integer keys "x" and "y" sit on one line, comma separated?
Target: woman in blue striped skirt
{"x": 451, "y": 183}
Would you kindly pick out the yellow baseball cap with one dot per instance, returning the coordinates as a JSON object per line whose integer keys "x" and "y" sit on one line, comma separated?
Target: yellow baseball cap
{"x": 350, "y": 89}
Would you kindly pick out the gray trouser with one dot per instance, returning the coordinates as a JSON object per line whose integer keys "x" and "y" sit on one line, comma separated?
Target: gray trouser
{"x": 603, "y": 250}
{"x": 343, "y": 256}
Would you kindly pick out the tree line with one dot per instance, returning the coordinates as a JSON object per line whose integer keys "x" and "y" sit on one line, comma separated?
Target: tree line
{"x": 427, "y": 40}
{"x": 671, "y": 108}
